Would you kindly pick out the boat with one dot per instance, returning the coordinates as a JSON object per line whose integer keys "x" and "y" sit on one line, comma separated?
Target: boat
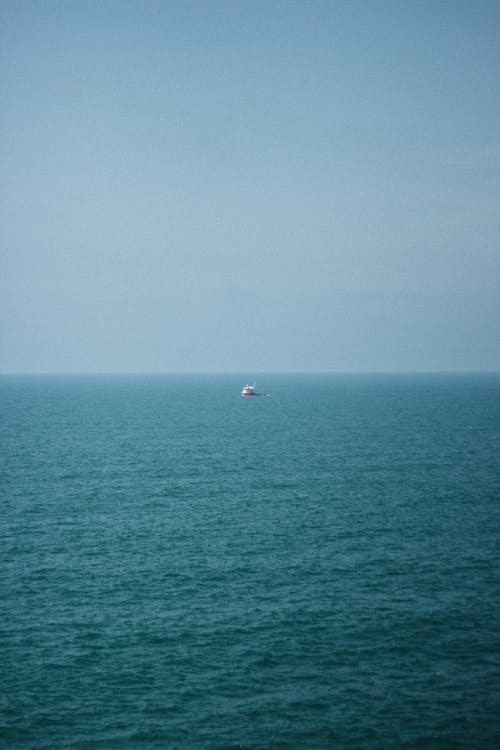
{"x": 249, "y": 390}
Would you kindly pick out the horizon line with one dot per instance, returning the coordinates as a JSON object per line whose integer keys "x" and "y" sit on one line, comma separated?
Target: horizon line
{"x": 258, "y": 373}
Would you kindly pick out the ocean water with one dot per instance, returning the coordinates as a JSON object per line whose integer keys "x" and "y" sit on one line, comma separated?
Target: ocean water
{"x": 184, "y": 568}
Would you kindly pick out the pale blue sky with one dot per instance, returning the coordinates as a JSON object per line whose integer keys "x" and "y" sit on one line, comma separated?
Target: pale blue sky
{"x": 249, "y": 186}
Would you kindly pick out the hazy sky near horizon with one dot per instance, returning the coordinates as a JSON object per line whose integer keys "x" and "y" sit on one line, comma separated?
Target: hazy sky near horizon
{"x": 249, "y": 186}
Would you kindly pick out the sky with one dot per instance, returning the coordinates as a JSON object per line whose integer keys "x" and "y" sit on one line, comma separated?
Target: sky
{"x": 251, "y": 186}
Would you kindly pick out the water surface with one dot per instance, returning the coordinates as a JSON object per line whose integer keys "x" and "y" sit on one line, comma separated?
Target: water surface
{"x": 184, "y": 568}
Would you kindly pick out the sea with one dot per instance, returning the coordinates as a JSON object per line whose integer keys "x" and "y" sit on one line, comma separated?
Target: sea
{"x": 183, "y": 568}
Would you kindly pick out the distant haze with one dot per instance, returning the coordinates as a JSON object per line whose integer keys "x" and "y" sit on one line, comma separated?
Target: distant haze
{"x": 249, "y": 186}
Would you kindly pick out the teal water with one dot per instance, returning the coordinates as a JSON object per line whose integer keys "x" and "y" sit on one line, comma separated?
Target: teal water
{"x": 184, "y": 568}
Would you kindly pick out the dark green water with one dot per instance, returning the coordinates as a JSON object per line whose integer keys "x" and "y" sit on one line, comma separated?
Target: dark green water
{"x": 184, "y": 568}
